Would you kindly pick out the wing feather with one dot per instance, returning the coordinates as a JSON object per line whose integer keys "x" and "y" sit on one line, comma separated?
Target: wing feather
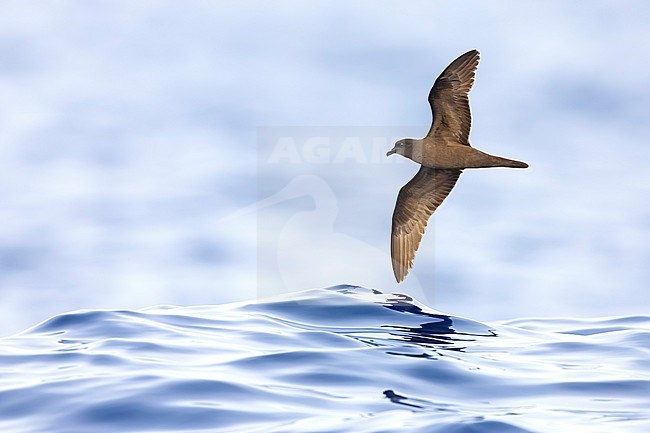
{"x": 449, "y": 99}
{"x": 416, "y": 202}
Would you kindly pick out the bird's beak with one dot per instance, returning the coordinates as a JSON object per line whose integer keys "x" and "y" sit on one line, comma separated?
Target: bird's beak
{"x": 390, "y": 152}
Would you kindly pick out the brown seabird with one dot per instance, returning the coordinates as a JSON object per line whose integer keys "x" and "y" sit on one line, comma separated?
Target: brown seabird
{"x": 443, "y": 154}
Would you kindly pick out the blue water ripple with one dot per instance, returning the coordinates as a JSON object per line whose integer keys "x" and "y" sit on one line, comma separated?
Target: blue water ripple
{"x": 342, "y": 359}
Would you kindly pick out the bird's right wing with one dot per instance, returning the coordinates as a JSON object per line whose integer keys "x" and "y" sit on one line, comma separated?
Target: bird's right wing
{"x": 416, "y": 202}
{"x": 449, "y": 99}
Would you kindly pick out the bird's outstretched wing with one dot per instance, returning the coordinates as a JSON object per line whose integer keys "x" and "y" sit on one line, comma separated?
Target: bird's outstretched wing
{"x": 449, "y": 99}
{"x": 416, "y": 202}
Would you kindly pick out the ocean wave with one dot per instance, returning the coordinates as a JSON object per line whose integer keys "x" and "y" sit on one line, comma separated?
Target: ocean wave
{"x": 342, "y": 359}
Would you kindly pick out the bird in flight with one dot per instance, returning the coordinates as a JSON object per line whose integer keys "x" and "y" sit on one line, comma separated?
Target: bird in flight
{"x": 443, "y": 154}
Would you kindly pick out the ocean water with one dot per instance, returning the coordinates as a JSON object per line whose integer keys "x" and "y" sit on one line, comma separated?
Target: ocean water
{"x": 342, "y": 359}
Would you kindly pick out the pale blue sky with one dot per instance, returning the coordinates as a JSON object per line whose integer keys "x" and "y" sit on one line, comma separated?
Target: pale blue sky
{"x": 129, "y": 130}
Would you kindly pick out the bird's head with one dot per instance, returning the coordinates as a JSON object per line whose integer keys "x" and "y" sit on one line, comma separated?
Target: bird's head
{"x": 403, "y": 147}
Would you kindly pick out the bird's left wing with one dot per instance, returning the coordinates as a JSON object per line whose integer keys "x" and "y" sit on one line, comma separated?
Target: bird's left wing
{"x": 416, "y": 202}
{"x": 449, "y": 98}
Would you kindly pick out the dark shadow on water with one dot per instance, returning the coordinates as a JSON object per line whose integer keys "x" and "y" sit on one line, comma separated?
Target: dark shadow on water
{"x": 452, "y": 333}
{"x": 398, "y": 399}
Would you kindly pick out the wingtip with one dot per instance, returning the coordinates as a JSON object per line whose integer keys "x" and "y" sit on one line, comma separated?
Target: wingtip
{"x": 396, "y": 274}
{"x": 396, "y": 270}
{"x": 399, "y": 272}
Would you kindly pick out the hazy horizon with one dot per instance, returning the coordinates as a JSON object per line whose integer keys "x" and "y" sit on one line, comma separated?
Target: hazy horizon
{"x": 138, "y": 139}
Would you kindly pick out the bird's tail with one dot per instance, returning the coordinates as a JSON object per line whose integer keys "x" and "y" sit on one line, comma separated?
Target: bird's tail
{"x": 482, "y": 160}
{"x": 512, "y": 163}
